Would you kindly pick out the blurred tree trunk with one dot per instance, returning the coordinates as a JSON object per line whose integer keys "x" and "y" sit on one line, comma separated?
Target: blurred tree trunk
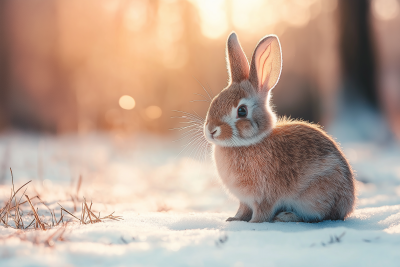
{"x": 358, "y": 64}
{"x": 39, "y": 92}
{"x": 3, "y": 65}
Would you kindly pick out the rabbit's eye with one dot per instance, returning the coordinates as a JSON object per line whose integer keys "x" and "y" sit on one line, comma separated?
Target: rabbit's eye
{"x": 242, "y": 112}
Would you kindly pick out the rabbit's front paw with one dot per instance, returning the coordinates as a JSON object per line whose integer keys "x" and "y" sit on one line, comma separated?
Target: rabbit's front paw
{"x": 231, "y": 219}
{"x": 256, "y": 221}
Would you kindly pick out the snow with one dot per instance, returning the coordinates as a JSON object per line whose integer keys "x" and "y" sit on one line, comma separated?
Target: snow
{"x": 137, "y": 176}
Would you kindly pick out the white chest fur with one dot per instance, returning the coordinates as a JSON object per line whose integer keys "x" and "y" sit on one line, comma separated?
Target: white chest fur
{"x": 229, "y": 177}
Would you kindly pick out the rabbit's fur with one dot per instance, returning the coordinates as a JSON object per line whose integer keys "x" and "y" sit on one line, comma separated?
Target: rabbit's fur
{"x": 280, "y": 170}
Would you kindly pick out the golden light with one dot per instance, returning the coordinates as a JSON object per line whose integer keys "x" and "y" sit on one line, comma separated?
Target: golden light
{"x": 253, "y": 15}
{"x": 296, "y": 15}
{"x": 176, "y": 57}
{"x": 385, "y": 9}
{"x": 136, "y": 15}
{"x": 329, "y": 6}
{"x": 170, "y": 29}
{"x": 127, "y": 102}
{"x": 110, "y": 6}
{"x": 170, "y": 23}
{"x": 213, "y": 16}
{"x": 153, "y": 112}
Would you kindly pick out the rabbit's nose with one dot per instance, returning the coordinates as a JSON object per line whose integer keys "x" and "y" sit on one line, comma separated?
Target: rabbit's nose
{"x": 212, "y": 134}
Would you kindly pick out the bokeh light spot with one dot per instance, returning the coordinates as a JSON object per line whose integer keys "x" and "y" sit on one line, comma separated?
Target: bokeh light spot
{"x": 136, "y": 15}
{"x": 153, "y": 112}
{"x": 385, "y": 9}
{"x": 127, "y": 102}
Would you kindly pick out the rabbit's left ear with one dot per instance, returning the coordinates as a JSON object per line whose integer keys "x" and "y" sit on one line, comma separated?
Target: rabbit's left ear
{"x": 266, "y": 64}
{"x": 238, "y": 66}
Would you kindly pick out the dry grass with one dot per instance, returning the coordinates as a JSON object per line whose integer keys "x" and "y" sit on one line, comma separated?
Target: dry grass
{"x": 12, "y": 215}
{"x": 87, "y": 215}
{"x": 75, "y": 197}
{"x": 38, "y": 239}
{"x": 162, "y": 207}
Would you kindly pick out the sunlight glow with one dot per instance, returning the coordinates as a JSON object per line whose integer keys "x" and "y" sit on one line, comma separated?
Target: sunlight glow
{"x": 110, "y": 6}
{"x": 136, "y": 15}
{"x": 257, "y": 15}
{"x": 253, "y": 14}
{"x": 214, "y": 21}
{"x": 170, "y": 29}
{"x": 329, "y": 6}
{"x": 127, "y": 102}
{"x": 385, "y": 9}
{"x": 176, "y": 57}
{"x": 153, "y": 112}
{"x": 170, "y": 26}
{"x": 297, "y": 15}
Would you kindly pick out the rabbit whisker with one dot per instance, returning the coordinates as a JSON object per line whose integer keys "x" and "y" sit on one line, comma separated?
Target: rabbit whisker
{"x": 191, "y": 116}
{"x": 189, "y": 133}
{"x": 192, "y": 140}
{"x": 199, "y": 116}
{"x": 206, "y": 150}
{"x": 209, "y": 87}
{"x": 203, "y": 88}
{"x": 202, "y": 96}
{"x": 192, "y": 122}
{"x": 197, "y": 148}
{"x": 188, "y": 118}
{"x": 184, "y": 127}
{"x": 202, "y": 147}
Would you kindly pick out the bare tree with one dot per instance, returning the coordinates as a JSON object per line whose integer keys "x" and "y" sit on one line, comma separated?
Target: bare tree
{"x": 358, "y": 63}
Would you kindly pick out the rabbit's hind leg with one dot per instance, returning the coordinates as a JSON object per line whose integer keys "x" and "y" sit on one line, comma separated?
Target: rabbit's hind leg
{"x": 287, "y": 217}
{"x": 331, "y": 197}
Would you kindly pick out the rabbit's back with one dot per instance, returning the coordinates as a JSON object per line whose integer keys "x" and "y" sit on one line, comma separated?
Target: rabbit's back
{"x": 298, "y": 149}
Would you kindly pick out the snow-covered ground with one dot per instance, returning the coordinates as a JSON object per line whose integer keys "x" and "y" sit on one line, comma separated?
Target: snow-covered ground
{"x": 174, "y": 209}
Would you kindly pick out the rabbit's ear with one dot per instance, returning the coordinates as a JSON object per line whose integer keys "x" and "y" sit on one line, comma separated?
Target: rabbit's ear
{"x": 238, "y": 66}
{"x": 266, "y": 64}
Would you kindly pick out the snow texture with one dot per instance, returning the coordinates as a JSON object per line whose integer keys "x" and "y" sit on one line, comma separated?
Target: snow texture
{"x": 174, "y": 209}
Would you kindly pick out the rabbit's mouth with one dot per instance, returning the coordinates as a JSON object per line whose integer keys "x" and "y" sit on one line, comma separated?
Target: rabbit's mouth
{"x": 212, "y": 134}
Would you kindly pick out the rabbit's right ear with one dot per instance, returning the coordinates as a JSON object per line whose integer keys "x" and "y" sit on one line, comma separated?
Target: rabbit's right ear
{"x": 238, "y": 66}
{"x": 266, "y": 64}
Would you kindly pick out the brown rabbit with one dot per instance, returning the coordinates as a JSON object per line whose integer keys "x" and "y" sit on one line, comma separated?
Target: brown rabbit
{"x": 279, "y": 169}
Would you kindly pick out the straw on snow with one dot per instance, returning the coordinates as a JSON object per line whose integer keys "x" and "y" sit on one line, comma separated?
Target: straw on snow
{"x": 13, "y": 211}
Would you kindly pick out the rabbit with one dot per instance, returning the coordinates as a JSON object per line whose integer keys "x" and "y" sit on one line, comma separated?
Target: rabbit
{"x": 279, "y": 169}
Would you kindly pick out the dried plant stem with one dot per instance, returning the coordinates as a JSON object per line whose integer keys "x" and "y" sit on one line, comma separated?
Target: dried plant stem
{"x": 12, "y": 210}
{"x": 10, "y": 202}
{"x": 30, "y": 224}
{"x": 35, "y": 214}
{"x": 62, "y": 208}
{"x": 79, "y": 185}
